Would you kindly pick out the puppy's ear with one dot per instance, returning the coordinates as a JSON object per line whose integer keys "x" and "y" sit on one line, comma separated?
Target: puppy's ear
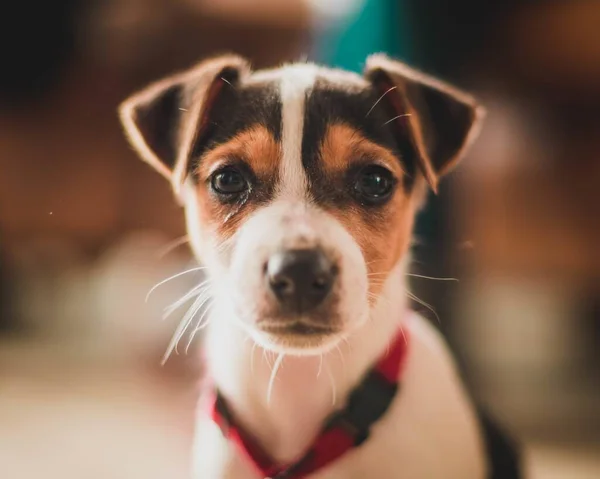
{"x": 437, "y": 119}
{"x": 164, "y": 120}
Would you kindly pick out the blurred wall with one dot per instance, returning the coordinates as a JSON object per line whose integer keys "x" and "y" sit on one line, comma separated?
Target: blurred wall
{"x": 519, "y": 219}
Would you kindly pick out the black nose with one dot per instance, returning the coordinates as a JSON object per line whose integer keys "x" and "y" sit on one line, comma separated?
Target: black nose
{"x": 300, "y": 279}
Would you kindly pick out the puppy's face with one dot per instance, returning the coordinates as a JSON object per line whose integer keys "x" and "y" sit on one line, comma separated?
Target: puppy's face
{"x": 300, "y": 184}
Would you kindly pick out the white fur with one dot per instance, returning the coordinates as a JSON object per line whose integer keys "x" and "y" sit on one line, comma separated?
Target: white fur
{"x": 296, "y": 81}
{"x": 290, "y": 225}
{"x": 429, "y": 432}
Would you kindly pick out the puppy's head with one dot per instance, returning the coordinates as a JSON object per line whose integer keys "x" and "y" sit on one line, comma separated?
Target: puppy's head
{"x": 300, "y": 183}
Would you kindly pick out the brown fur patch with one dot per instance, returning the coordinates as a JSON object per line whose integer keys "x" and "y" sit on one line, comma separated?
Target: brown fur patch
{"x": 343, "y": 145}
{"x": 257, "y": 150}
{"x": 382, "y": 232}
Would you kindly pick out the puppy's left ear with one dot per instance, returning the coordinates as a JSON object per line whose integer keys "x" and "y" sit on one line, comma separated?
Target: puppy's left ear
{"x": 438, "y": 120}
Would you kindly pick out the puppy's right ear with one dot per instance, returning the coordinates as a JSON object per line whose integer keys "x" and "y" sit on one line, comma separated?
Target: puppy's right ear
{"x": 164, "y": 120}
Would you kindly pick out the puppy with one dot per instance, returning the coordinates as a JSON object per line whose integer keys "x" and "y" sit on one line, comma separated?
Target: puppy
{"x": 300, "y": 186}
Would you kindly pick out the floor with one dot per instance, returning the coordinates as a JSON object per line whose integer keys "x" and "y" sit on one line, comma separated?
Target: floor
{"x": 64, "y": 421}
{"x": 71, "y": 419}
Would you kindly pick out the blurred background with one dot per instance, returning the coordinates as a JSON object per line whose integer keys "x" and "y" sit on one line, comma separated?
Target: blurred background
{"x": 86, "y": 228}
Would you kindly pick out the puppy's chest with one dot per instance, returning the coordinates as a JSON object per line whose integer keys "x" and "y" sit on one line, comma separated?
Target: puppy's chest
{"x": 390, "y": 452}
{"x": 218, "y": 459}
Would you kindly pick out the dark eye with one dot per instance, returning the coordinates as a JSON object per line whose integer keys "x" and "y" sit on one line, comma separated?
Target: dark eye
{"x": 374, "y": 184}
{"x": 228, "y": 181}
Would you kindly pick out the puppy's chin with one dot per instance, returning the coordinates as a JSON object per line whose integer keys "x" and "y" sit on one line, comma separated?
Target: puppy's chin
{"x": 297, "y": 340}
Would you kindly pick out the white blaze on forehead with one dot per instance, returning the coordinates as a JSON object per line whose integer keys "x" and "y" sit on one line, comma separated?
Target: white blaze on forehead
{"x": 296, "y": 82}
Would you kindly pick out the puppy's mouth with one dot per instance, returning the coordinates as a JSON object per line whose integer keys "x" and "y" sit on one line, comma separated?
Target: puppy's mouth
{"x": 298, "y": 328}
{"x": 297, "y": 336}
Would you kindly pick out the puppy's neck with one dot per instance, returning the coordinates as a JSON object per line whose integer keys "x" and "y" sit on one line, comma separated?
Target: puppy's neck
{"x": 306, "y": 389}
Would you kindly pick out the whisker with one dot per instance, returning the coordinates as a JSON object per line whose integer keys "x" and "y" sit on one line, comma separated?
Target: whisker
{"x": 200, "y": 294}
{"x": 196, "y": 307}
{"x": 195, "y": 291}
{"x": 377, "y": 295}
{"x": 404, "y": 336}
{"x": 423, "y": 303}
{"x": 266, "y": 358}
{"x": 199, "y": 326}
{"x": 181, "y": 328}
{"x": 395, "y": 118}
{"x": 274, "y": 370}
{"x": 345, "y": 339}
{"x": 160, "y": 283}
{"x": 431, "y": 277}
{"x": 379, "y": 99}
{"x": 379, "y": 273}
{"x": 320, "y": 365}
{"x": 169, "y": 247}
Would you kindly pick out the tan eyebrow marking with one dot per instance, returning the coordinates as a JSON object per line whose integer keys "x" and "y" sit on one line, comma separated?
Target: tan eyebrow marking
{"x": 344, "y": 144}
{"x": 256, "y": 147}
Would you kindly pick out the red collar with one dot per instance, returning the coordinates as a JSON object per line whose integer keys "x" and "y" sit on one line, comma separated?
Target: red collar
{"x": 343, "y": 431}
